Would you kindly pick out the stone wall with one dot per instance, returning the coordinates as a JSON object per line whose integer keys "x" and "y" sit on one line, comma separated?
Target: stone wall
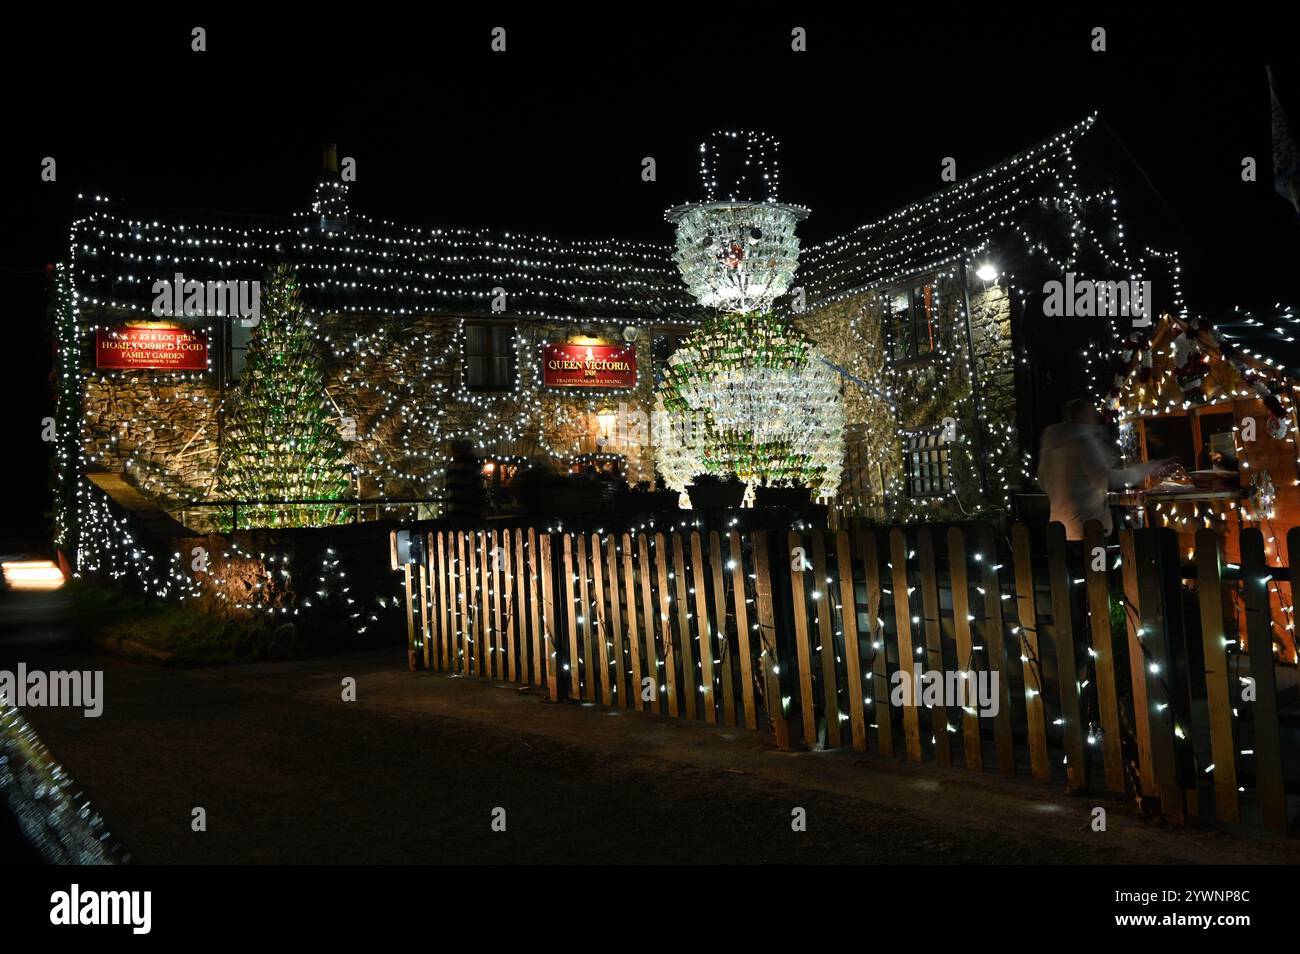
{"x": 924, "y": 393}
{"x": 397, "y": 387}
{"x": 157, "y": 428}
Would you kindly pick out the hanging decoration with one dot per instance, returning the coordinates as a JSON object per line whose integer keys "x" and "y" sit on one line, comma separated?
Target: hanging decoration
{"x": 1263, "y": 495}
{"x": 1190, "y": 366}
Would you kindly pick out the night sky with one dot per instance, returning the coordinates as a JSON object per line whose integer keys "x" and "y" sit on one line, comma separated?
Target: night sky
{"x": 549, "y": 137}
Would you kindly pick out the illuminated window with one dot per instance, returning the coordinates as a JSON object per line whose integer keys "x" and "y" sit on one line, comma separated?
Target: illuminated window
{"x": 490, "y": 357}
{"x": 912, "y": 322}
{"x": 926, "y": 460}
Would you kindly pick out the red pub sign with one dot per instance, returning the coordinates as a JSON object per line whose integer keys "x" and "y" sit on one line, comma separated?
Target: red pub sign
{"x": 151, "y": 345}
{"x": 589, "y": 366}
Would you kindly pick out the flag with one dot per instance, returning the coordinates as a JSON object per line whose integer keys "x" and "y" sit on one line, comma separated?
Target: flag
{"x": 1286, "y": 158}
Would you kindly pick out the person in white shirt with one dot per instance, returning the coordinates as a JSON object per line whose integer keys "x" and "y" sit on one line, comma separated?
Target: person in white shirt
{"x": 1075, "y": 469}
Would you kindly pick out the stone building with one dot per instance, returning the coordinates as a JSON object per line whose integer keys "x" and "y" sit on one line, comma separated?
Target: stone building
{"x": 936, "y": 314}
{"x": 432, "y": 335}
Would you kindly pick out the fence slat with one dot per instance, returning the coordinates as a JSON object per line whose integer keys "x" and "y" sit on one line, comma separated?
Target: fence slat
{"x": 651, "y": 623}
{"x": 506, "y": 593}
{"x": 1255, "y": 574}
{"x": 997, "y": 649}
{"x": 493, "y": 553}
{"x": 512, "y": 576}
{"x": 571, "y": 616}
{"x": 444, "y": 627}
{"x": 485, "y": 601}
{"x": 961, "y": 618}
{"x": 849, "y": 625}
{"x": 1218, "y": 680}
{"x": 618, "y": 668}
{"x": 767, "y": 638}
{"x": 799, "y": 600}
{"x": 906, "y": 652}
{"x": 690, "y": 678}
{"x": 542, "y": 568}
{"x": 825, "y": 609}
{"x": 509, "y": 613}
{"x": 1030, "y": 658}
{"x": 435, "y": 603}
{"x": 476, "y": 621}
{"x": 540, "y": 664}
{"x": 939, "y": 715}
{"x": 744, "y": 635}
{"x": 1103, "y": 653}
{"x": 665, "y": 624}
{"x": 460, "y": 600}
{"x": 708, "y": 698}
{"x": 633, "y": 699}
{"x": 1155, "y": 670}
{"x": 590, "y": 676}
{"x": 1059, "y": 578}
{"x": 464, "y": 578}
{"x": 602, "y": 633}
{"x": 426, "y": 610}
{"x": 1137, "y": 662}
{"x": 485, "y": 561}
{"x": 412, "y": 607}
{"x": 879, "y": 656}
{"x": 720, "y": 627}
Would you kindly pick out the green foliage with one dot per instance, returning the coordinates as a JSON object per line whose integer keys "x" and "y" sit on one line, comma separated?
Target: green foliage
{"x": 180, "y": 634}
{"x": 281, "y": 443}
{"x": 64, "y": 465}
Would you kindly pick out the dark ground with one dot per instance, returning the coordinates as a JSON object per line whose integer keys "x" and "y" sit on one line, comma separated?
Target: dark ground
{"x": 411, "y": 772}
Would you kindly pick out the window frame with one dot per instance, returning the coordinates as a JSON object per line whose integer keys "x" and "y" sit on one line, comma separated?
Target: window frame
{"x": 938, "y": 472}
{"x": 490, "y": 357}
{"x": 911, "y": 322}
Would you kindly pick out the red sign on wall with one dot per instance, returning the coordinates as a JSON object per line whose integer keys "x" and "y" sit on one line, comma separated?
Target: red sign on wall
{"x": 589, "y": 366}
{"x": 151, "y": 345}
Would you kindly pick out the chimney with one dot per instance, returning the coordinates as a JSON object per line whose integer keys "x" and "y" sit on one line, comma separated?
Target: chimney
{"x": 331, "y": 202}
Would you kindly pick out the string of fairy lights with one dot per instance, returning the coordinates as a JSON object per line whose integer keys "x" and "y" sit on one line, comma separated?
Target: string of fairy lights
{"x": 1151, "y": 390}
{"x": 951, "y": 232}
{"x": 374, "y": 259}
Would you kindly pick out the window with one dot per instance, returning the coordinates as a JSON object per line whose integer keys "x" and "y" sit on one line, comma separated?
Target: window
{"x": 1170, "y": 437}
{"x": 927, "y": 464}
{"x": 661, "y": 350}
{"x": 862, "y": 481}
{"x": 1216, "y": 440}
{"x": 240, "y": 335}
{"x": 912, "y": 322}
{"x": 490, "y": 357}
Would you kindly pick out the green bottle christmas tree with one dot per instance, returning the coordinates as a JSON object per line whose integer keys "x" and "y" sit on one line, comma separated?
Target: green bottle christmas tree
{"x": 280, "y": 442}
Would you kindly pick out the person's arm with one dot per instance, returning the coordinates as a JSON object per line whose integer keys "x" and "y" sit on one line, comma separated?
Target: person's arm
{"x": 1120, "y": 478}
{"x": 1124, "y": 477}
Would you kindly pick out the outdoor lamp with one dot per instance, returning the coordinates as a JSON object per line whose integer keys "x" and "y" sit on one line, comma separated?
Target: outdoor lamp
{"x": 607, "y": 417}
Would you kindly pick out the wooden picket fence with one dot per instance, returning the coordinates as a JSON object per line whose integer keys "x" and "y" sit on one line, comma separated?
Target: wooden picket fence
{"x": 802, "y": 634}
